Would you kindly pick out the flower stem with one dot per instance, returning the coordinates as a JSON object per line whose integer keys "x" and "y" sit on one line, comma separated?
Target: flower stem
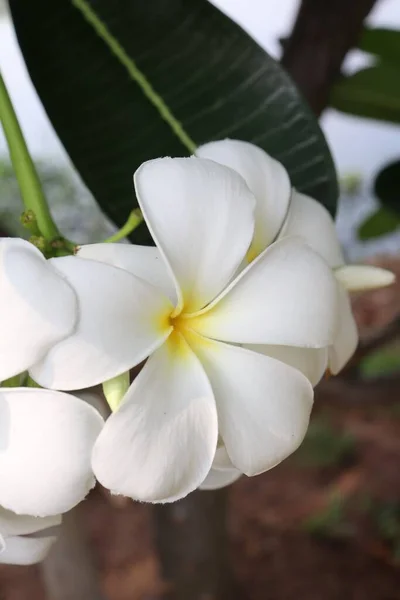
{"x": 115, "y": 389}
{"x": 134, "y": 220}
{"x": 28, "y": 180}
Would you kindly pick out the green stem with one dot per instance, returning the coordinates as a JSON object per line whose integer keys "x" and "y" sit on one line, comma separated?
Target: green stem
{"x": 134, "y": 220}
{"x": 115, "y": 389}
{"x": 28, "y": 180}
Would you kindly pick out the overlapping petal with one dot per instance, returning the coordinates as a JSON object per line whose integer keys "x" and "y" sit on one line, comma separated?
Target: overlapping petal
{"x": 46, "y": 440}
{"x": 21, "y": 550}
{"x": 200, "y": 215}
{"x": 287, "y": 296}
{"x": 145, "y": 262}
{"x": 312, "y": 362}
{"x": 122, "y": 319}
{"x": 266, "y": 178}
{"x": 311, "y": 221}
{"x": 263, "y": 404}
{"x": 160, "y": 444}
{"x": 217, "y": 479}
{"x": 12, "y": 524}
{"x": 346, "y": 338}
{"x": 37, "y": 307}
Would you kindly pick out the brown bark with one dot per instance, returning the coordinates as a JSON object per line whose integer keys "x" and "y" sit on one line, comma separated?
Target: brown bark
{"x": 191, "y": 537}
{"x": 324, "y": 31}
{"x": 69, "y": 572}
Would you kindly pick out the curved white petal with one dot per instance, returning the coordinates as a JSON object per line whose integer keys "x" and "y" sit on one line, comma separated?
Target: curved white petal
{"x": 200, "y": 214}
{"x": 312, "y": 362}
{"x": 46, "y": 439}
{"x": 145, "y": 262}
{"x": 221, "y": 460}
{"x": 358, "y": 278}
{"x": 346, "y": 338}
{"x": 13, "y": 524}
{"x": 263, "y": 404}
{"x": 287, "y": 296}
{"x": 266, "y": 178}
{"x": 25, "y": 550}
{"x": 311, "y": 221}
{"x": 160, "y": 444}
{"x": 217, "y": 479}
{"x": 122, "y": 319}
{"x": 37, "y": 307}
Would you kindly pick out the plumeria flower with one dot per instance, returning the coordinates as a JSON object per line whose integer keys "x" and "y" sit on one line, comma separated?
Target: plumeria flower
{"x": 282, "y": 211}
{"x": 184, "y": 306}
{"x": 25, "y": 540}
{"x": 46, "y": 440}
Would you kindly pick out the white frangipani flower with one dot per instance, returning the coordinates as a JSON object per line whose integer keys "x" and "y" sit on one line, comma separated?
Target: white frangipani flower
{"x": 281, "y": 212}
{"x": 46, "y": 441}
{"x": 25, "y": 540}
{"x": 37, "y": 306}
{"x": 192, "y": 316}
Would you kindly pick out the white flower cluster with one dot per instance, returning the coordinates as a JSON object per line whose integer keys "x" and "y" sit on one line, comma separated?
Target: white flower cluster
{"x": 240, "y": 309}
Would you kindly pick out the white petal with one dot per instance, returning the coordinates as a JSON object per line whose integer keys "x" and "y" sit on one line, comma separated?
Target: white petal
{"x": 217, "y": 479}
{"x": 310, "y": 220}
{"x": 358, "y": 278}
{"x": 13, "y": 524}
{"x": 263, "y": 404}
{"x": 122, "y": 319}
{"x": 200, "y": 215}
{"x": 266, "y": 178}
{"x": 287, "y": 296}
{"x": 312, "y": 362}
{"x": 221, "y": 461}
{"x": 145, "y": 262}
{"x": 160, "y": 444}
{"x": 25, "y": 550}
{"x": 37, "y": 307}
{"x": 46, "y": 439}
{"x": 346, "y": 338}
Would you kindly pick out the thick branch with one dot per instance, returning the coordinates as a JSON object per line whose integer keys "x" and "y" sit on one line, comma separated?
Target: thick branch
{"x": 69, "y": 572}
{"x": 323, "y": 34}
{"x": 192, "y": 544}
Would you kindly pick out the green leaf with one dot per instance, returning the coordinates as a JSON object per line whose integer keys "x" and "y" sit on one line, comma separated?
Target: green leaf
{"x": 382, "y": 362}
{"x": 387, "y": 187}
{"x": 384, "y": 43}
{"x": 379, "y": 223}
{"x": 373, "y": 92}
{"x": 131, "y": 81}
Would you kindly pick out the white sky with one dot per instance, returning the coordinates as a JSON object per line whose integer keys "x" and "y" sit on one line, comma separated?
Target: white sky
{"x": 358, "y": 145}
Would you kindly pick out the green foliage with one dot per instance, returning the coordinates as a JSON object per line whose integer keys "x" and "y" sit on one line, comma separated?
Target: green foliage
{"x": 373, "y": 92}
{"x": 387, "y": 187}
{"x": 383, "y": 43}
{"x": 324, "y": 446}
{"x": 72, "y": 207}
{"x": 385, "y": 361}
{"x": 386, "y": 516}
{"x": 381, "y": 222}
{"x": 331, "y": 522}
{"x": 127, "y": 82}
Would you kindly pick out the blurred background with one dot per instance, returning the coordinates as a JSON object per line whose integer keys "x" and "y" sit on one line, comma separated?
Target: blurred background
{"x": 326, "y": 523}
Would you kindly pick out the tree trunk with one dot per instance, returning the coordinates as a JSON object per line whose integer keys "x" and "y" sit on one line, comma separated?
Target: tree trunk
{"x": 325, "y": 30}
{"x": 69, "y": 572}
{"x": 191, "y": 536}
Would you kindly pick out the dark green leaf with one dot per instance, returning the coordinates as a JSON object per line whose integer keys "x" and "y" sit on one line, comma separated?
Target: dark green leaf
{"x": 190, "y": 75}
{"x": 387, "y": 187}
{"x": 373, "y": 92}
{"x": 379, "y": 223}
{"x": 384, "y": 43}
